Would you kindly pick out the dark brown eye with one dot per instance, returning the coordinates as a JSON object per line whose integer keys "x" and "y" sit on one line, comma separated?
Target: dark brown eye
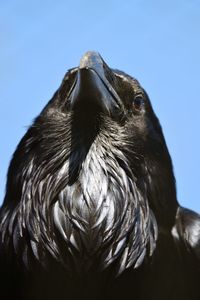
{"x": 138, "y": 102}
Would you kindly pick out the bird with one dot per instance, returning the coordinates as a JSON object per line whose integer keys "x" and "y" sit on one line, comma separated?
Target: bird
{"x": 90, "y": 208}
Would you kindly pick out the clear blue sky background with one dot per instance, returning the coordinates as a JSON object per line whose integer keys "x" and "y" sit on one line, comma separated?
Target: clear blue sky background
{"x": 157, "y": 42}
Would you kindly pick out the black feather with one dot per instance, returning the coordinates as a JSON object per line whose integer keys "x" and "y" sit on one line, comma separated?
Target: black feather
{"x": 90, "y": 208}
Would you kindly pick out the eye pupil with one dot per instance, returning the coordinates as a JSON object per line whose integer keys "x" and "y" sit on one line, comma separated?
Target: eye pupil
{"x": 138, "y": 102}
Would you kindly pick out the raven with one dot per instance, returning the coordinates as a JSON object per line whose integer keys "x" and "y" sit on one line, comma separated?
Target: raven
{"x": 90, "y": 209}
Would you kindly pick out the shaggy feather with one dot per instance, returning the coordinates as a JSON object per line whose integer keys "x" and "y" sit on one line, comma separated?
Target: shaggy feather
{"x": 91, "y": 195}
{"x": 101, "y": 215}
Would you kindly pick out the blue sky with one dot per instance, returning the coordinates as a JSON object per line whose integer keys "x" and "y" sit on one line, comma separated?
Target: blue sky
{"x": 158, "y": 42}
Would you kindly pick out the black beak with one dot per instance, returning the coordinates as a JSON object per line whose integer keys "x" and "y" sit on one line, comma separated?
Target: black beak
{"x": 91, "y": 89}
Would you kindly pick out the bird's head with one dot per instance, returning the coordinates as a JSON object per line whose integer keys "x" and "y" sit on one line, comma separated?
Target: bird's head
{"x": 94, "y": 171}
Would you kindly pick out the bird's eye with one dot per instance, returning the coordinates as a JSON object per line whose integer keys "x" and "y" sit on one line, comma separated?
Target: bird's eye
{"x": 138, "y": 103}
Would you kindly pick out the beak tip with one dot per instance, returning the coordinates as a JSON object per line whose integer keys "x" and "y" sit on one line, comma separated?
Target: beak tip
{"x": 90, "y": 59}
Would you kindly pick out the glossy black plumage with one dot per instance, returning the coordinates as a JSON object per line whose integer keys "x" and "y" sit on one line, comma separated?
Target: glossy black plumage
{"x": 90, "y": 208}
